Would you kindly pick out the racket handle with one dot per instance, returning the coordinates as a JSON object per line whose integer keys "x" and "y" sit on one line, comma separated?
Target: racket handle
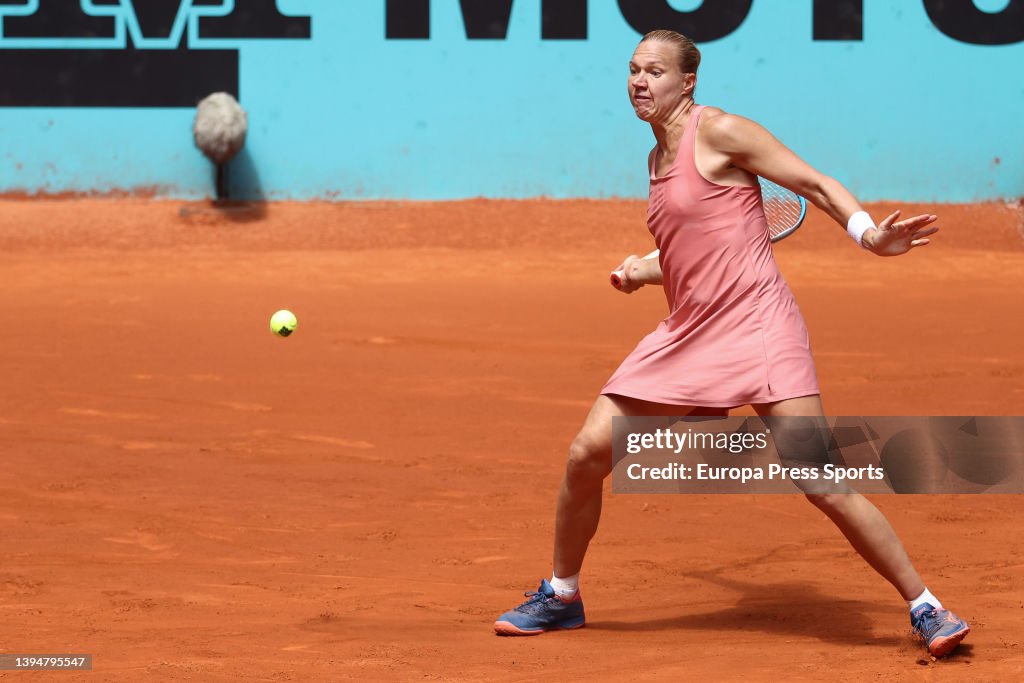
{"x": 616, "y": 277}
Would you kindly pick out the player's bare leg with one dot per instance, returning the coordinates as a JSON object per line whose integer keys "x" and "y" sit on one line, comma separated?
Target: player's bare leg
{"x": 874, "y": 539}
{"x": 578, "y": 510}
{"x": 863, "y": 524}
{"x": 556, "y": 605}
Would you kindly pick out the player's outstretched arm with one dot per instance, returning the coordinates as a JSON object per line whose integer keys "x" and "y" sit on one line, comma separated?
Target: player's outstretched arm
{"x": 751, "y": 147}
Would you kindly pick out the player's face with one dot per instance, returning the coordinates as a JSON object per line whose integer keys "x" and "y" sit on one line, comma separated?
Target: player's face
{"x": 656, "y": 85}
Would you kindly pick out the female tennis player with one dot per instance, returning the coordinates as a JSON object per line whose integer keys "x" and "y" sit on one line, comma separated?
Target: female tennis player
{"x": 734, "y": 335}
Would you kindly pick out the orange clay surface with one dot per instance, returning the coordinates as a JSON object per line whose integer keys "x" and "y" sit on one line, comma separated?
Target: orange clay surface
{"x": 187, "y": 497}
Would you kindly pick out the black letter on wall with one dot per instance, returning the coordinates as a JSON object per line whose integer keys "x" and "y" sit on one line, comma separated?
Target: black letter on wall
{"x": 714, "y": 19}
{"x": 564, "y": 20}
{"x": 253, "y": 19}
{"x": 407, "y": 19}
{"x": 961, "y": 20}
{"x": 59, "y": 19}
{"x": 838, "y": 20}
{"x": 156, "y": 19}
{"x": 486, "y": 19}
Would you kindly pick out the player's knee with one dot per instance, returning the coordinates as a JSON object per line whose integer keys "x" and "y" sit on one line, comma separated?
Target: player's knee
{"x": 826, "y": 502}
{"x": 588, "y": 462}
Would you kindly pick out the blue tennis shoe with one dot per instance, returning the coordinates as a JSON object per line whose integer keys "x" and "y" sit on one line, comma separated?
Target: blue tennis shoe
{"x": 941, "y": 630}
{"x": 543, "y": 611}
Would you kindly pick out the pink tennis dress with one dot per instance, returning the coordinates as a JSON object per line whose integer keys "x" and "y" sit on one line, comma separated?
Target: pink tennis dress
{"x": 734, "y": 334}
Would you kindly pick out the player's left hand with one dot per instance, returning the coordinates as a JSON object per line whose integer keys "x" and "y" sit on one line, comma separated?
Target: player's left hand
{"x": 892, "y": 237}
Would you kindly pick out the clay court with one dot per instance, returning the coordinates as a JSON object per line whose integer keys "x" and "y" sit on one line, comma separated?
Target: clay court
{"x": 186, "y": 496}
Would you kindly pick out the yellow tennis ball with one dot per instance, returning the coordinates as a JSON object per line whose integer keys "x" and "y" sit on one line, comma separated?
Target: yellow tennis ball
{"x": 283, "y": 323}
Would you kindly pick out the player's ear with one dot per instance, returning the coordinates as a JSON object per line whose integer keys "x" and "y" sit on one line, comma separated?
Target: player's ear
{"x": 689, "y": 83}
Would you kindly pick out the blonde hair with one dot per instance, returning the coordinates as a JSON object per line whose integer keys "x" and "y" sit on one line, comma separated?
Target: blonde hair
{"x": 688, "y": 54}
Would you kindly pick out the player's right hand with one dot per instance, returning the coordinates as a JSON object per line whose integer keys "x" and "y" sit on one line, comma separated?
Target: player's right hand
{"x": 623, "y": 277}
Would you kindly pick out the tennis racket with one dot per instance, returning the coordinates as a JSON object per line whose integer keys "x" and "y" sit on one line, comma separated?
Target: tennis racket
{"x": 783, "y": 209}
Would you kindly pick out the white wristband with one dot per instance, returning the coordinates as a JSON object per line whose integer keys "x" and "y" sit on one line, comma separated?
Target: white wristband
{"x": 859, "y": 224}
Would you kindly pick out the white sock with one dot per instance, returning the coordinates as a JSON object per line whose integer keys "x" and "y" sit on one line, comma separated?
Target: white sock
{"x": 925, "y": 596}
{"x": 566, "y": 588}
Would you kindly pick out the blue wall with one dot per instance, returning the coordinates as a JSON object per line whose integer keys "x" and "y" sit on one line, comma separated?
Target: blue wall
{"x": 907, "y": 113}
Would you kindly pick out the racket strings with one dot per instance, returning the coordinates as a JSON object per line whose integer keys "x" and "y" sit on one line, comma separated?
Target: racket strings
{"x": 783, "y": 209}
